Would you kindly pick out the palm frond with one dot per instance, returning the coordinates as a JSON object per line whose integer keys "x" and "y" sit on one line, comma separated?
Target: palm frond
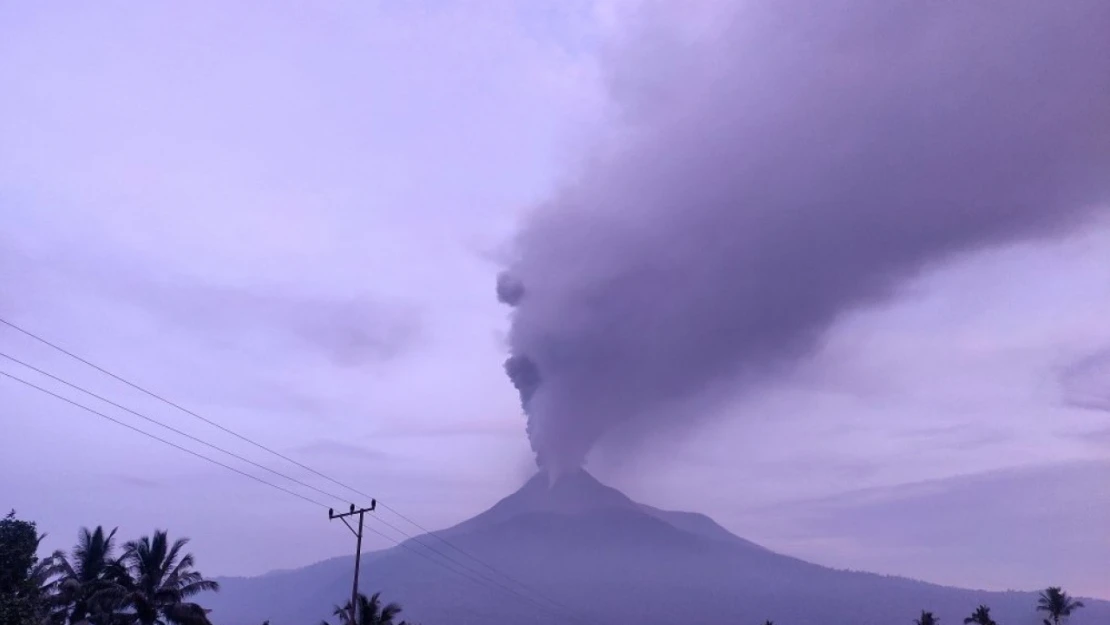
{"x": 927, "y": 618}
{"x": 64, "y": 564}
{"x": 204, "y": 585}
{"x": 184, "y": 579}
{"x": 388, "y": 612}
{"x": 187, "y": 614}
{"x": 173, "y": 554}
{"x": 343, "y": 614}
{"x": 184, "y": 564}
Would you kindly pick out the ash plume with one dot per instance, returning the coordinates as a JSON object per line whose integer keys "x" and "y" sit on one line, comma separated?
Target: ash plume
{"x": 801, "y": 162}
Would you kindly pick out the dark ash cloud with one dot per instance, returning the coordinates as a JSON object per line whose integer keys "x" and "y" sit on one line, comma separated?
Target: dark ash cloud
{"x": 802, "y": 163}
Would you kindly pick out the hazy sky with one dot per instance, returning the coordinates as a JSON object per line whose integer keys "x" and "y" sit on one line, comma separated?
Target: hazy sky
{"x": 289, "y": 219}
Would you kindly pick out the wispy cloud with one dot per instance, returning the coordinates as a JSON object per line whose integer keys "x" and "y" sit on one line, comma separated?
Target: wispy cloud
{"x": 332, "y": 447}
{"x": 136, "y": 481}
{"x": 348, "y": 331}
{"x": 1062, "y": 509}
{"x": 965, "y": 436}
{"x": 1085, "y": 382}
{"x": 452, "y": 428}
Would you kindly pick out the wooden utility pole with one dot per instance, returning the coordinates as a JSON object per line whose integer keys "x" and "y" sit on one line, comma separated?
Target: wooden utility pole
{"x": 358, "y": 548}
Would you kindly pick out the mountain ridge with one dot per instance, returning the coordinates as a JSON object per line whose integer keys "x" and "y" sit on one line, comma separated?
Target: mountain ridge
{"x": 614, "y": 560}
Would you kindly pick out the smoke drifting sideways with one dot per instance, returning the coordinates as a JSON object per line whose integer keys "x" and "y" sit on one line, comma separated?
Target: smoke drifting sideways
{"x": 802, "y": 162}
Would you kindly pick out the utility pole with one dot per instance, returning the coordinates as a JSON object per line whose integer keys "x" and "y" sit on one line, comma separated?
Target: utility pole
{"x": 358, "y": 547}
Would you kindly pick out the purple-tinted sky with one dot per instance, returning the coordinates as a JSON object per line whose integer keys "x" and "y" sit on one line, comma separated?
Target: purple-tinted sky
{"x": 290, "y": 219}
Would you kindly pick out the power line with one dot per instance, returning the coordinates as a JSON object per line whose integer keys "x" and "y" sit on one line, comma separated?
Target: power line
{"x": 168, "y": 427}
{"x": 236, "y": 456}
{"x": 477, "y": 579}
{"x": 476, "y": 573}
{"x": 361, "y": 512}
{"x": 358, "y": 555}
{"x": 406, "y": 547}
{"x": 172, "y": 404}
{"x": 159, "y": 438}
{"x": 278, "y": 454}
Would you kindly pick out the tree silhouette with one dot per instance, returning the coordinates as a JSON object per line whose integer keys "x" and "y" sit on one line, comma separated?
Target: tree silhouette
{"x": 21, "y": 597}
{"x": 155, "y": 582}
{"x": 981, "y": 616}
{"x": 89, "y": 570}
{"x": 45, "y": 577}
{"x": 1058, "y": 605}
{"x": 370, "y": 612}
{"x": 927, "y": 618}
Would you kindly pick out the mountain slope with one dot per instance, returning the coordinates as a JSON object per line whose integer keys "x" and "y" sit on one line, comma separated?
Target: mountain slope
{"x": 607, "y": 559}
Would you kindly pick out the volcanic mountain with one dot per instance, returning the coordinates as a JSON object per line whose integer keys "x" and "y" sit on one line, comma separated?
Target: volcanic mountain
{"x": 577, "y": 551}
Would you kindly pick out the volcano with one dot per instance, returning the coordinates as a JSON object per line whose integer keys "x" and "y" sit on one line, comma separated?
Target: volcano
{"x": 578, "y": 551}
{"x": 578, "y": 495}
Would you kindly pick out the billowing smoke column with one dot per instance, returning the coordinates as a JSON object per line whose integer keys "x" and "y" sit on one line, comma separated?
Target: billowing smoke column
{"x": 798, "y": 164}
{"x": 521, "y": 369}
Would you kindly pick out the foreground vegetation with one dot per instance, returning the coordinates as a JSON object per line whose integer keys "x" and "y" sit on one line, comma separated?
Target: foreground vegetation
{"x": 151, "y": 581}
{"x": 148, "y": 581}
{"x": 1053, "y": 601}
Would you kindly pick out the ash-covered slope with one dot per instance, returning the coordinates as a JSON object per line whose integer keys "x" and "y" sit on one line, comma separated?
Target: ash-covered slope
{"x": 579, "y": 494}
{"x": 606, "y": 559}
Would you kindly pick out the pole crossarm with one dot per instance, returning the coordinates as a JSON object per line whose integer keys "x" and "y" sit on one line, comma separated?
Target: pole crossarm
{"x": 361, "y": 512}
{"x": 353, "y": 511}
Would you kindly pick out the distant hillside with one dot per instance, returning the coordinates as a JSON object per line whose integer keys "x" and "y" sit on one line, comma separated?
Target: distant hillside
{"x": 610, "y": 560}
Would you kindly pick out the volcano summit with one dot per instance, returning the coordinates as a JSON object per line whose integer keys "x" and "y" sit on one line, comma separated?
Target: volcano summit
{"x": 603, "y": 558}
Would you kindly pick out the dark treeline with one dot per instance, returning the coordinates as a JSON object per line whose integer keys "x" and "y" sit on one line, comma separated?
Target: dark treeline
{"x": 1053, "y": 601}
{"x": 149, "y": 581}
{"x": 152, "y": 581}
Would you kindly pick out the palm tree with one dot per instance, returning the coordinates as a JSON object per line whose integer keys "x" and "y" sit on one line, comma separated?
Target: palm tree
{"x": 44, "y": 577}
{"x": 89, "y": 570}
{"x": 1058, "y": 605}
{"x": 157, "y": 579}
{"x": 370, "y": 612}
{"x": 981, "y": 616}
{"x": 927, "y": 618}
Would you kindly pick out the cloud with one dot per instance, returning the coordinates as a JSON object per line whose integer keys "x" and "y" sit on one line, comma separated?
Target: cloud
{"x": 347, "y": 328}
{"x": 139, "y": 482}
{"x": 331, "y": 447}
{"x": 258, "y": 211}
{"x": 451, "y": 429}
{"x": 1085, "y": 382}
{"x": 920, "y": 529}
{"x": 781, "y": 167}
{"x": 964, "y": 436}
{"x": 347, "y": 331}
